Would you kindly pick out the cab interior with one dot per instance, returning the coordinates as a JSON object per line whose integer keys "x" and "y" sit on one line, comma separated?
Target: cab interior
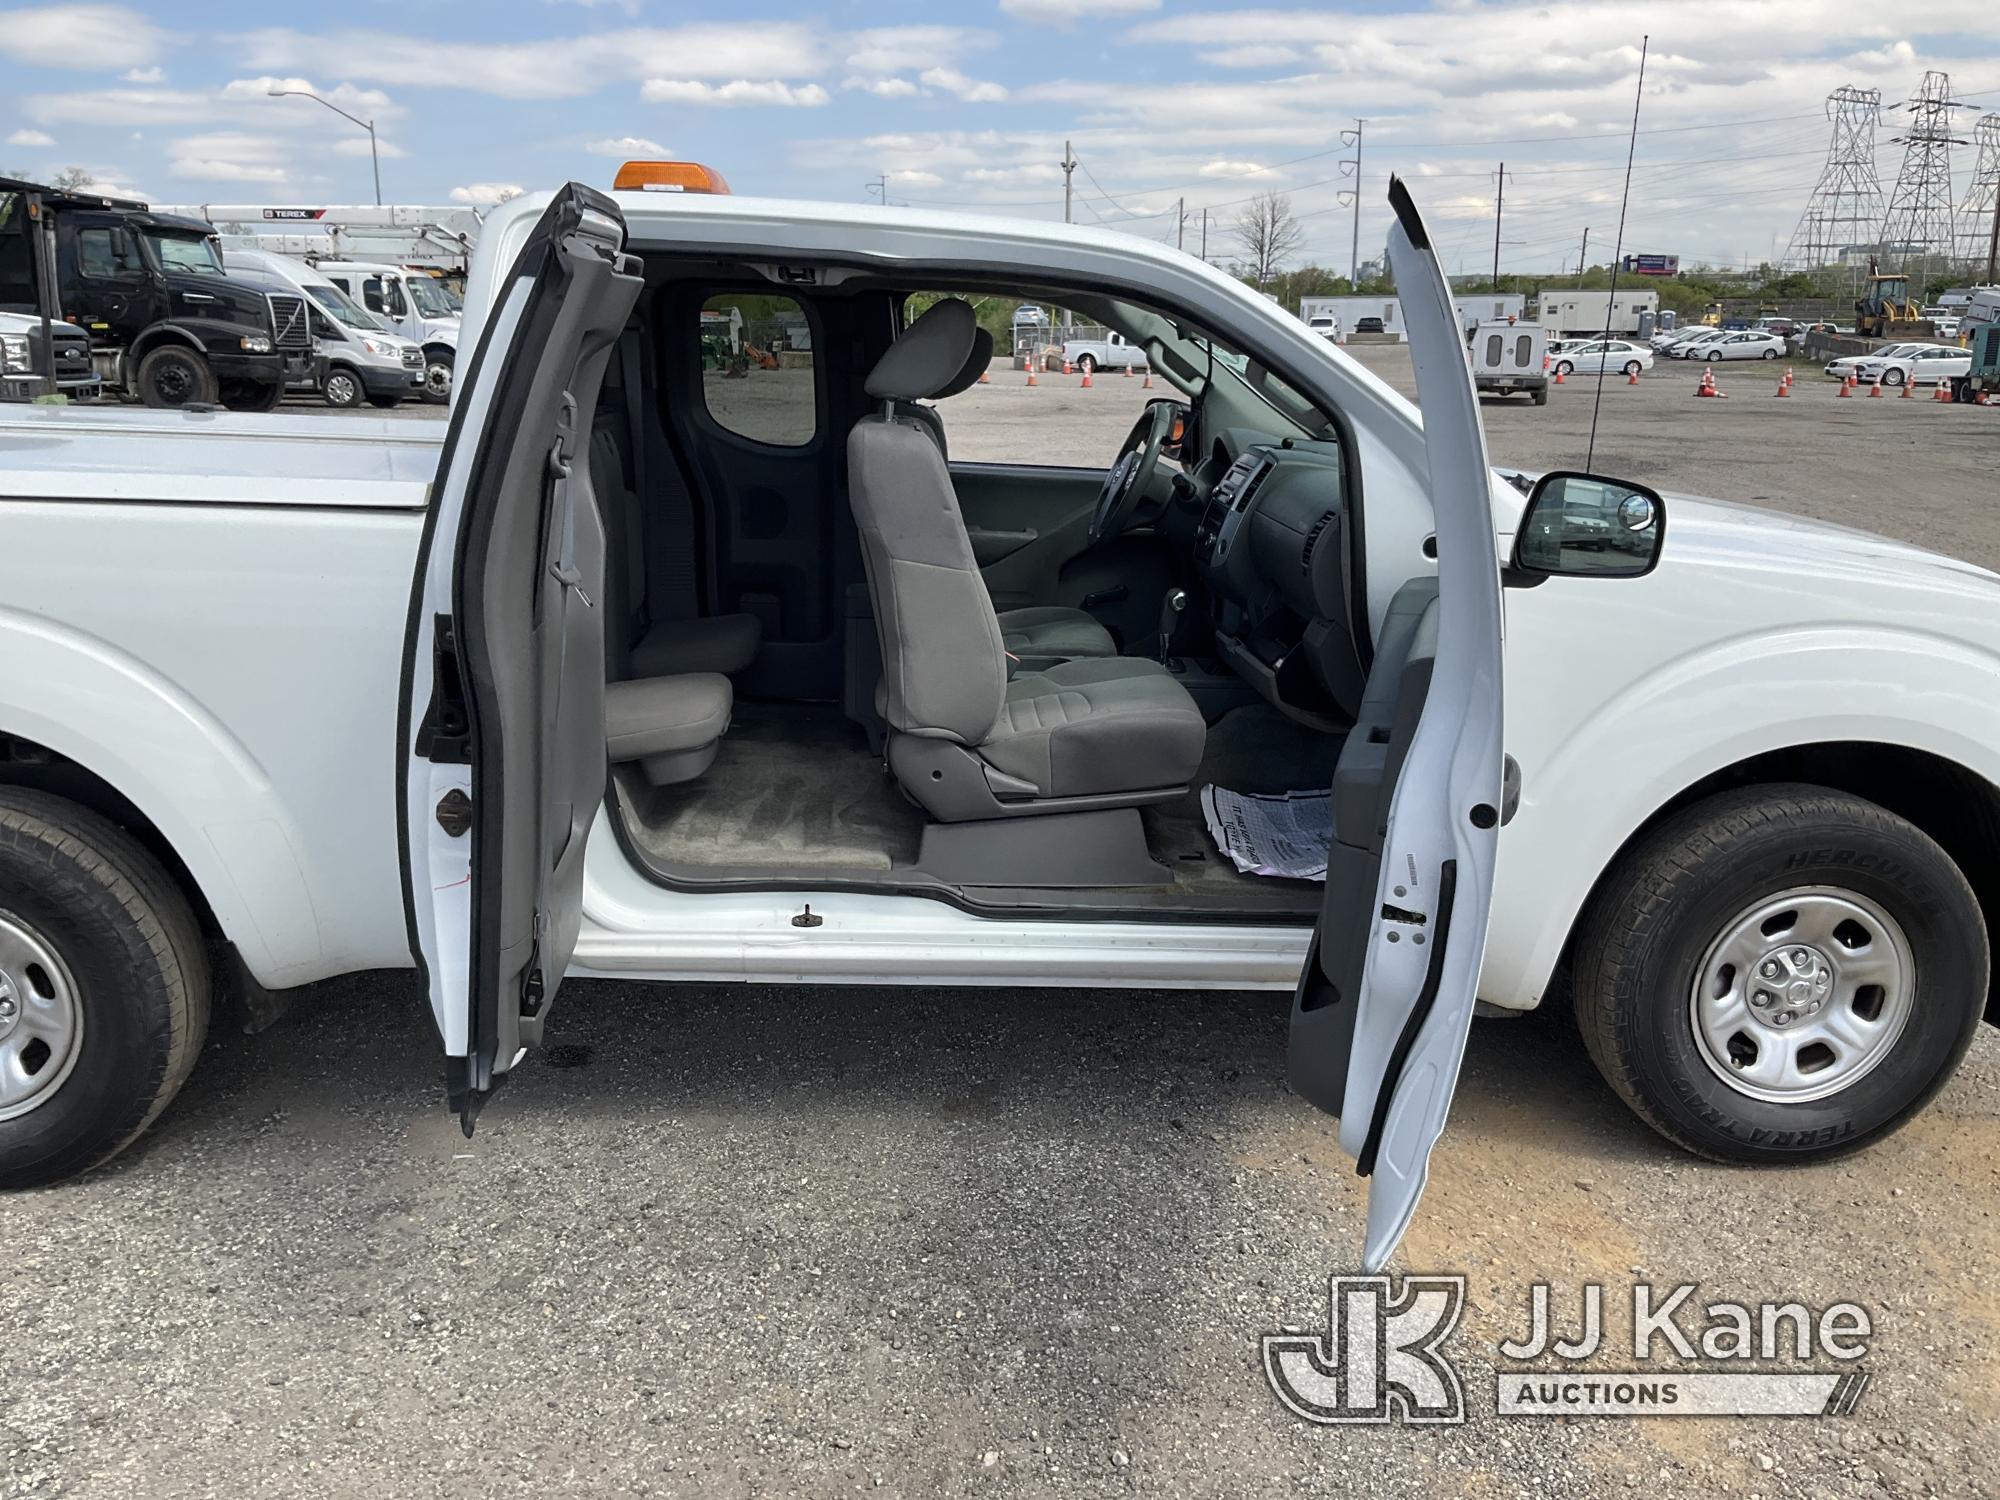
{"x": 840, "y": 654}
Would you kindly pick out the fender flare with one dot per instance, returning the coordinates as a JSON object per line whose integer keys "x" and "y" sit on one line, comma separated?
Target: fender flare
{"x": 152, "y": 338}
{"x": 1552, "y": 859}
{"x": 200, "y": 787}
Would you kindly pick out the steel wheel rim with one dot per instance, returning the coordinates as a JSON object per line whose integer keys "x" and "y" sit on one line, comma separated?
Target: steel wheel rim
{"x": 173, "y": 382}
{"x": 437, "y": 378}
{"x": 1802, "y": 994}
{"x": 41, "y": 1023}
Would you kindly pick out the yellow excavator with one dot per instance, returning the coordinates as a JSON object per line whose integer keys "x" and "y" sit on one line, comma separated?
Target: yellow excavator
{"x": 1887, "y": 311}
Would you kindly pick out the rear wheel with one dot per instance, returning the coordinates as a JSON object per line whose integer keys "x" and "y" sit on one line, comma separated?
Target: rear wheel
{"x": 1780, "y": 974}
{"x": 1086, "y": 364}
{"x": 1769, "y": 354}
{"x": 1564, "y": 368}
{"x": 385, "y": 401}
{"x": 1633, "y": 367}
{"x": 104, "y": 988}
{"x": 173, "y": 375}
{"x": 247, "y": 395}
{"x": 437, "y": 375}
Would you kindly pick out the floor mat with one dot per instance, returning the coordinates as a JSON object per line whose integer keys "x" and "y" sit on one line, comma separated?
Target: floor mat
{"x": 793, "y": 787}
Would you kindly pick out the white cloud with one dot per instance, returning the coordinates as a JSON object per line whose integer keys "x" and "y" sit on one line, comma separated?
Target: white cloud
{"x": 1235, "y": 169}
{"x": 26, "y": 137}
{"x": 481, "y": 193}
{"x": 229, "y": 156}
{"x": 883, "y": 88}
{"x": 79, "y": 36}
{"x": 626, "y": 147}
{"x": 913, "y": 178}
{"x": 556, "y": 67}
{"x": 737, "y": 91}
{"x": 144, "y": 75}
{"x": 971, "y": 90}
{"x": 1256, "y": 55}
{"x": 903, "y": 49}
{"x": 357, "y": 145}
{"x": 1063, "y": 12}
{"x": 369, "y": 104}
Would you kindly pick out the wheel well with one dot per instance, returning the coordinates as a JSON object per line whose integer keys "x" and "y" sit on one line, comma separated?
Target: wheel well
{"x": 153, "y": 338}
{"x": 433, "y": 350}
{"x": 24, "y": 763}
{"x": 1957, "y": 808}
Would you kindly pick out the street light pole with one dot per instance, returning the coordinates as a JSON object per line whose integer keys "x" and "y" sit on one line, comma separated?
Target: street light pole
{"x": 374, "y": 156}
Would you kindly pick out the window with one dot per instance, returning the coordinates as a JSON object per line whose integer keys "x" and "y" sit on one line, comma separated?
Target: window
{"x": 383, "y": 295}
{"x": 1493, "y": 349}
{"x": 1524, "y": 351}
{"x": 96, "y": 255}
{"x": 757, "y": 371}
{"x": 187, "y": 253}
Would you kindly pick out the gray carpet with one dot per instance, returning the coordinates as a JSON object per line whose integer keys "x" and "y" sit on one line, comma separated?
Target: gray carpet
{"x": 792, "y": 788}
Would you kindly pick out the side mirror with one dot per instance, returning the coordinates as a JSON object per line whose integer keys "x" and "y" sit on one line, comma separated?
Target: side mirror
{"x": 1587, "y": 526}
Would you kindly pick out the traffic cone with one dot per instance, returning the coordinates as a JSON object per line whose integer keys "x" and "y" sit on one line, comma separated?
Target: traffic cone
{"x": 1633, "y": 378}
{"x": 1085, "y": 384}
{"x": 1707, "y": 386}
{"x": 1148, "y": 383}
{"x": 1846, "y": 388}
{"x": 1066, "y": 369}
{"x": 985, "y": 378}
{"x": 1559, "y": 375}
{"x": 1031, "y": 372}
{"x": 1909, "y": 390}
{"x": 1875, "y": 389}
{"x": 1128, "y": 372}
{"x": 1790, "y": 378}
{"x": 1783, "y": 389}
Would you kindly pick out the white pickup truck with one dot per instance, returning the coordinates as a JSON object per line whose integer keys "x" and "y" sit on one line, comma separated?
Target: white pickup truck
{"x": 1106, "y": 350}
{"x": 280, "y": 701}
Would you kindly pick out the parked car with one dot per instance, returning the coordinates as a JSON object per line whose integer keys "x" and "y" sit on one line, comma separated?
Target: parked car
{"x": 1932, "y": 365}
{"x": 1326, "y": 325}
{"x": 1745, "y": 343}
{"x": 1588, "y": 356}
{"x": 1368, "y": 325}
{"x": 1705, "y": 339}
{"x": 1866, "y": 367}
{"x": 415, "y": 304}
{"x": 1737, "y": 815}
{"x": 1111, "y": 352}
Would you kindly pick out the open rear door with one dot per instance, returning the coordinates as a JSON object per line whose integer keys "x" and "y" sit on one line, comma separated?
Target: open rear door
{"x": 501, "y": 738}
{"x": 1385, "y": 1002}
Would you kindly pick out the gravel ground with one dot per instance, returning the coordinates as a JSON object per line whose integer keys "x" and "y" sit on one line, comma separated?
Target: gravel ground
{"x": 756, "y": 1241}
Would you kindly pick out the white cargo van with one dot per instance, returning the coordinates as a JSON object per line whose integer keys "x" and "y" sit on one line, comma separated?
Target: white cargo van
{"x": 356, "y": 358}
{"x": 414, "y": 304}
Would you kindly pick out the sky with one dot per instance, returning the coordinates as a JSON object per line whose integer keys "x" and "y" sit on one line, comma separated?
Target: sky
{"x": 1167, "y": 103}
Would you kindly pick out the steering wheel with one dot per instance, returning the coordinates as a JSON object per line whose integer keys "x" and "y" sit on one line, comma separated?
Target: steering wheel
{"x": 1132, "y": 476}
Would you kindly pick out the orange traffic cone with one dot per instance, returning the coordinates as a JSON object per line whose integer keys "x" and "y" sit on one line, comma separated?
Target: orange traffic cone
{"x": 1783, "y": 389}
{"x": 1846, "y": 387}
{"x": 1066, "y": 369}
{"x": 1559, "y": 375}
{"x": 1707, "y": 386}
{"x": 1633, "y": 378}
{"x": 1909, "y": 390}
{"x": 1031, "y": 372}
{"x": 1790, "y": 378}
{"x": 1128, "y": 372}
{"x": 1147, "y": 385}
{"x": 1875, "y": 390}
{"x": 1084, "y": 384}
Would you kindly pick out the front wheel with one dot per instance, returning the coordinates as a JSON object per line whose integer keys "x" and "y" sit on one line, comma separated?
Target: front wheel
{"x": 1893, "y": 378}
{"x": 342, "y": 388}
{"x": 1565, "y": 369}
{"x": 104, "y": 988}
{"x": 1780, "y": 974}
{"x": 173, "y": 375}
{"x": 1632, "y": 368}
{"x": 437, "y": 375}
{"x": 385, "y": 402}
{"x": 1087, "y": 365}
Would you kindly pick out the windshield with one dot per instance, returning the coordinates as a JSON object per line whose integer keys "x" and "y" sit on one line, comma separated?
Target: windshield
{"x": 430, "y": 297}
{"x": 343, "y": 307}
{"x": 192, "y": 253}
{"x": 1270, "y": 388}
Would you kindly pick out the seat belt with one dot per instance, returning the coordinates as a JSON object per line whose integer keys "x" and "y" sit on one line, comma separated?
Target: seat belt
{"x": 630, "y": 372}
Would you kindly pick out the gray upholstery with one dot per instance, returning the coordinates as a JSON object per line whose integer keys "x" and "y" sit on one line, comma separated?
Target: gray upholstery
{"x": 1085, "y": 728}
{"x": 1046, "y": 631}
{"x": 1100, "y": 728}
{"x": 974, "y": 366}
{"x": 637, "y": 644}
{"x": 670, "y": 725}
{"x": 927, "y": 356}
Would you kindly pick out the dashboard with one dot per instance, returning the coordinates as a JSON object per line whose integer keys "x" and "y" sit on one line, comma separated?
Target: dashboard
{"x": 1267, "y": 520}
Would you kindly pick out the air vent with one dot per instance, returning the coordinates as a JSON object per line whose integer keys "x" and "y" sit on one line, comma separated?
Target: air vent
{"x": 1312, "y": 541}
{"x": 1257, "y": 477}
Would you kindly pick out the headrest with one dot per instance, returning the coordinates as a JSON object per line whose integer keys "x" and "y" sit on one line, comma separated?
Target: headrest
{"x": 927, "y": 356}
{"x": 975, "y": 365}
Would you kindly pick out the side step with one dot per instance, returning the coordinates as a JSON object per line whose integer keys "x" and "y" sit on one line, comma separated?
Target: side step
{"x": 1063, "y": 850}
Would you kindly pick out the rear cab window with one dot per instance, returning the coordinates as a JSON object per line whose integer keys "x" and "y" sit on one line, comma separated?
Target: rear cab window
{"x": 759, "y": 378}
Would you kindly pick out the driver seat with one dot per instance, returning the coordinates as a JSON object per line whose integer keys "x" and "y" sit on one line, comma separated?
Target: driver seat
{"x": 965, "y": 741}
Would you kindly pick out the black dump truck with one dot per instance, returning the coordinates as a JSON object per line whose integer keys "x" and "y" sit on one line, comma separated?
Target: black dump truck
{"x": 166, "y": 323}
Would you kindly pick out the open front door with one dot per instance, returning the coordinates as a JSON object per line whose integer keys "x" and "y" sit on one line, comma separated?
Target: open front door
{"x": 1385, "y": 1002}
{"x": 502, "y": 730}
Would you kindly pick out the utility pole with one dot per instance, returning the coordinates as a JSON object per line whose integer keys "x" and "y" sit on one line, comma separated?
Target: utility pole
{"x": 879, "y": 187}
{"x": 1499, "y": 202}
{"x": 1204, "y": 234}
{"x": 1069, "y": 171}
{"x": 1582, "y": 257}
{"x": 1180, "y": 223}
{"x": 1353, "y": 168}
{"x": 1993, "y": 244}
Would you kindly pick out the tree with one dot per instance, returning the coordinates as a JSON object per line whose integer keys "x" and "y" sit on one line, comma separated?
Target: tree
{"x": 1268, "y": 232}
{"x": 69, "y": 179}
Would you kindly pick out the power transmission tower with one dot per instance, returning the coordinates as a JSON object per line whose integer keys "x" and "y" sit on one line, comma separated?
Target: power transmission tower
{"x": 1979, "y": 209}
{"x": 1845, "y": 208}
{"x": 1917, "y": 231}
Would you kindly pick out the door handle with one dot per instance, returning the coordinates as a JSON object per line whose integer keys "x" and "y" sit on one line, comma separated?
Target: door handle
{"x": 197, "y": 296}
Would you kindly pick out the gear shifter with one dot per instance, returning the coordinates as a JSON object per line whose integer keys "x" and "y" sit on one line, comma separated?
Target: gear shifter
{"x": 1171, "y": 605}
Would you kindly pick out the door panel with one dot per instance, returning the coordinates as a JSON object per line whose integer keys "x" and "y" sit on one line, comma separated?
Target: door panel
{"x": 502, "y": 726}
{"x": 1030, "y": 529}
{"x": 1385, "y": 1001}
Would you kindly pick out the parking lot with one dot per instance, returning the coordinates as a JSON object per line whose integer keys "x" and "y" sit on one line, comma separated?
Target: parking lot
{"x": 761, "y": 1241}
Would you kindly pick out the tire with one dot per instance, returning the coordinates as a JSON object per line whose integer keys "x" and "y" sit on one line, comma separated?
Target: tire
{"x": 1769, "y": 354}
{"x": 438, "y": 374}
{"x": 385, "y": 402}
{"x": 1654, "y": 931}
{"x": 242, "y": 395}
{"x": 1893, "y": 378}
{"x": 343, "y": 388}
{"x": 1086, "y": 365}
{"x": 1565, "y": 369}
{"x": 1542, "y": 396}
{"x": 128, "y": 957}
{"x": 1633, "y": 367}
{"x": 174, "y": 376}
